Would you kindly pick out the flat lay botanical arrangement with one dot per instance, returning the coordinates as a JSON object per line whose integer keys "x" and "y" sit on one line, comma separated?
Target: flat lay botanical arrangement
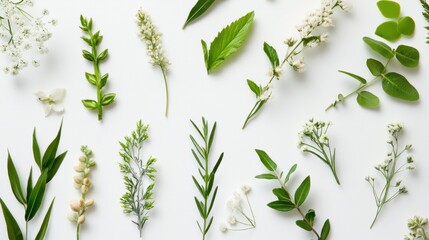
{"x": 208, "y": 178}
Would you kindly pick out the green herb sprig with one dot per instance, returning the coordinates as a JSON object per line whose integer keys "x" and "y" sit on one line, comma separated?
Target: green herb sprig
{"x": 393, "y": 29}
{"x": 139, "y": 176}
{"x": 197, "y": 10}
{"x": 201, "y": 153}
{"x": 95, "y": 79}
{"x": 286, "y": 202}
{"x": 425, "y": 13}
{"x": 417, "y": 226}
{"x": 48, "y": 164}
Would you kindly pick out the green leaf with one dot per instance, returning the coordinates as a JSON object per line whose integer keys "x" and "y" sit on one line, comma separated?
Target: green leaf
{"x": 379, "y": 47}
{"x": 36, "y": 151}
{"x": 389, "y": 9}
{"x": 375, "y": 67}
{"x": 103, "y": 55}
{"x": 103, "y": 80}
{"x": 44, "y": 227}
{"x": 36, "y": 197}
{"x": 199, "y": 8}
{"x": 205, "y": 52}
{"x": 367, "y": 100}
{"x": 87, "y": 55}
{"x": 304, "y": 225}
{"x": 388, "y": 30}
{"x": 310, "y": 216}
{"x": 228, "y": 41}
{"x": 406, "y": 26}
{"x": 325, "y": 230}
{"x": 272, "y": 55}
{"x": 50, "y": 153}
{"x": 266, "y": 160}
{"x": 359, "y": 78}
{"x": 91, "y": 78}
{"x": 55, "y": 166}
{"x": 90, "y": 104}
{"x": 408, "y": 56}
{"x": 302, "y": 191}
{"x": 108, "y": 99}
{"x": 29, "y": 184}
{"x": 15, "y": 183}
{"x": 13, "y": 230}
{"x": 282, "y": 205}
{"x": 255, "y": 88}
{"x": 266, "y": 176}
{"x": 281, "y": 194}
{"x": 289, "y": 174}
{"x": 398, "y": 86}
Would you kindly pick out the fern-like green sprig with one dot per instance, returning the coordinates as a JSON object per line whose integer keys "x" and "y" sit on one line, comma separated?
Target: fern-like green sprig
{"x": 425, "y": 13}
{"x": 201, "y": 153}
{"x": 139, "y": 176}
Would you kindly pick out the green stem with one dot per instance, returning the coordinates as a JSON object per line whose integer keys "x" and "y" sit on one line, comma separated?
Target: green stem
{"x": 26, "y": 230}
{"x": 164, "y": 74}
{"x": 78, "y": 232}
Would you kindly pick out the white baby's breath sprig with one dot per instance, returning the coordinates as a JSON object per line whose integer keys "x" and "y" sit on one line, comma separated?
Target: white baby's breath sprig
{"x": 52, "y": 101}
{"x": 417, "y": 226}
{"x": 22, "y": 32}
{"x": 239, "y": 219}
{"x": 389, "y": 169}
{"x": 83, "y": 183}
{"x": 150, "y": 35}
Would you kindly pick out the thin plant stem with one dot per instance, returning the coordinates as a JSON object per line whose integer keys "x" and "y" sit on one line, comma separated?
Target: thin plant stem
{"x": 164, "y": 74}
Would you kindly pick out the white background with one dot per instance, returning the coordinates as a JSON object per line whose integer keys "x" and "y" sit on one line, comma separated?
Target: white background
{"x": 358, "y": 134}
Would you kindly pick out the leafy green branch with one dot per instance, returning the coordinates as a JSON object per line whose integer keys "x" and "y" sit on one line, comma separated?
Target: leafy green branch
{"x": 285, "y": 202}
{"x": 95, "y": 79}
{"x": 425, "y": 13}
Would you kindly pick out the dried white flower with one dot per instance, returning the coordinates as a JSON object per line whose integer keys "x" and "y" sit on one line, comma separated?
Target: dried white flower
{"x": 298, "y": 65}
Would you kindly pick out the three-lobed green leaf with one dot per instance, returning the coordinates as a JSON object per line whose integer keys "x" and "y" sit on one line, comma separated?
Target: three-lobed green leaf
{"x": 398, "y": 86}
{"x": 227, "y": 42}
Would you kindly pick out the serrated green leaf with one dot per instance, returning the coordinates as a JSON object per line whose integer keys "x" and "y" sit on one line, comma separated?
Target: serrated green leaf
{"x": 388, "y": 30}
{"x": 90, "y": 104}
{"x": 379, "y": 47}
{"x": 199, "y": 8}
{"x": 266, "y": 176}
{"x": 266, "y": 160}
{"x": 389, "y": 9}
{"x": 282, "y": 205}
{"x": 108, "y": 99}
{"x": 255, "y": 88}
{"x": 15, "y": 183}
{"x": 272, "y": 55}
{"x": 44, "y": 227}
{"x": 368, "y": 100}
{"x": 408, "y": 56}
{"x": 36, "y": 197}
{"x": 36, "y": 151}
{"x": 325, "y": 230}
{"x": 359, "y": 78}
{"x": 398, "y": 86}
{"x": 13, "y": 230}
{"x": 304, "y": 225}
{"x": 406, "y": 26}
{"x": 375, "y": 67}
{"x": 229, "y": 41}
{"x": 302, "y": 191}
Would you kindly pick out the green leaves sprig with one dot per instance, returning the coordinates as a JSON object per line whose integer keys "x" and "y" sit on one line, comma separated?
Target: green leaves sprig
{"x": 137, "y": 199}
{"x": 197, "y": 10}
{"x": 393, "y": 29}
{"x": 285, "y": 202}
{"x": 48, "y": 164}
{"x": 425, "y": 13}
{"x": 95, "y": 79}
{"x": 394, "y": 84}
{"x": 201, "y": 153}
{"x": 227, "y": 42}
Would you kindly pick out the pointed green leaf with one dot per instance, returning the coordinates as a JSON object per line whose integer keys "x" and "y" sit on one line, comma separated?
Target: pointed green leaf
{"x": 108, "y": 99}
{"x": 87, "y": 55}
{"x": 368, "y": 100}
{"x": 272, "y": 55}
{"x": 91, "y": 78}
{"x": 359, "y": 78}
{"x": 36, "y": 197}
{"x": 13, "y": 230}
{"x": 55, "y": 166}
{"x": 379, "y": 47}
{"x": 103, "y": 80}
{"x": 302, "y": 191}
{"x": 282, "y": 205}
{"x": 44, "y": 227}
{"x": 103, "y": 55}
{"x": 408, "y": 56}
{"x": 205, "y": 52}
{"x": 304, "y": 225}
{"x": 51, "y": 151}
{"x": 15, "y": 183}
{"x": 388, "y": 30}
{"x": 36, "y": 151}
{"x": 389, "y": 9}
{"x": 266, "y": 160}
{"x": 229, "y": 41}
{"x": 90, "y": 104}
{"x": 325, "y": 230}
{"x": 281, "y": 194}
{"x": 266, "y": 176}
{"x": 29, "y": 184}
{"x": 375, "y": 67}
{"x": 289, "y": 174}
{"x": 310, "y": 216}
{"x": 255, "y": 88}
{"x": 199, "y": 8}
{"x": 406, "y": 26}
{"x": 398, "y": 86}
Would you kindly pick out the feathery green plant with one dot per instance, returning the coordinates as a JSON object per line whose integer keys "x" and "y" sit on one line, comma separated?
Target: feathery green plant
{"x": 425, "y": 13}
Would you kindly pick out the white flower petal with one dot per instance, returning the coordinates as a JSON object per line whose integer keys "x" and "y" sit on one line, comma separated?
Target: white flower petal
{"x": 58, "y": 94}
{"x": 40, "y": 94}
{"x": 48, "y": 109}
{"x": 58, "y": 108}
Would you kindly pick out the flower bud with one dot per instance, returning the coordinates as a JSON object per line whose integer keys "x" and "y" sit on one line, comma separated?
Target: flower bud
{"x": 75, "y": 206}
{"x": 72, "y": 217}
{"x": 89, "y": 203}
{"x": 87, "y": 171}
{"x": 78, "y": 179}
{"x": 81, "y": 219}
{"x": 79, "y": 168}
{"x": 83, "y": 159}
{"x": 84, "y": 189}
{"x": 86, "y": 181}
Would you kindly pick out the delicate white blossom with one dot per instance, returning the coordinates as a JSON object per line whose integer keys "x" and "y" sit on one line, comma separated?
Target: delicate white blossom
{"x": 238, "y": 214}
{"x": 52, "y": 101}
{"x": 298, "y": 65}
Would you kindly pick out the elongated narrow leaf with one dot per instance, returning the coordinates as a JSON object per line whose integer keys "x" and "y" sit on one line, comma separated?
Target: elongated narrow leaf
{"x": 281, "y": 194}
{"x": 15, "y": 183}
{"x": 289, "y": 174}
{"x": 304, "y": 225}
{"x": 325, "y": 230}
{"x": 302, "y": 191}
{"x": 255, "y": 88}
{"x": 36, "y": 151}
{"x": 272, "y": 55}
{"x": 13, "y": 230}
{"x": 398, "y": 86}
{"x": 266, "y": 176}
{"x": 55, "y": 166}
{"x": 36, "y": 197}
{"x": 375, "y": 67}
{"x": 368, "y": 100}
{"x": 51, "y": 151}
{"x": 266, "y": 160}
{"x": 359, "y": 78}
{"x": 282, "y": 205}
{"x": 379, "y": 47}
{"x": 199, "y": 8}
{"x": 29, "y": 184}
{"x": 228, "y": 41}
{"x": 44, "y": 227}
{"x": 408, "y": 56}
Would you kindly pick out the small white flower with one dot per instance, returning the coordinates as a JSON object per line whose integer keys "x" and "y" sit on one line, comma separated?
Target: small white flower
{"x": 223, "y": 227}
{"x": 298, "y": 65}
{"x": 246, "y": 189}
{"x": 232, "y": 220}
{"x": 52, "y": 102}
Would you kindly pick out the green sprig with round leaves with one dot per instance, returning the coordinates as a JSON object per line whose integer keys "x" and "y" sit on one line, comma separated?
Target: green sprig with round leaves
{"x": 392, "y": 29}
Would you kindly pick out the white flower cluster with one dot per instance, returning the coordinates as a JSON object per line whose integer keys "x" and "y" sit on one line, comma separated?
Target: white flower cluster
{"x": 83, "y": 183}
{"x": 417, "y": 225}
{"x": 52, "y": 101}
{"x": 20, "y": 32}
{"x": 316, "y": 131}
{"x": 149, "y": 33}
{"x": 238, "y": 215}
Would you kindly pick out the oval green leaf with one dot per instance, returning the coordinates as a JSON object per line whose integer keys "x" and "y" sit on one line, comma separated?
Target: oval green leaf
{"x": 408, "y": 56}
{"x": 266, "y": 176}
{"x": 368, "y": 100}
{"x": 282, "y": 205}
{"x": 272, "y": 55}
{"x": 406, "y": 26}
{"x": 388, "y": 30}
{"x": 375, "y": 67}
{"x": 302, "y": 191}
{"x": 325, "y": 230}
{"x": 255, "y": 88}
{"x": 281, "y": 194}
{"x": 398, "y": 86}
{"x": 389, "y": 9}
{"x": 90, "y": 104}
{"x": 304, "y": 225}
{"x": 266, "y": 160}
{"x": 379, "y": 47}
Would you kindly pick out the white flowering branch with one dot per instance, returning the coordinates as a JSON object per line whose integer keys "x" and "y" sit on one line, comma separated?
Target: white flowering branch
{"x": 321, "y": 18}
{"x": 389, "y": 169}
{"x": 417, "y": 226}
